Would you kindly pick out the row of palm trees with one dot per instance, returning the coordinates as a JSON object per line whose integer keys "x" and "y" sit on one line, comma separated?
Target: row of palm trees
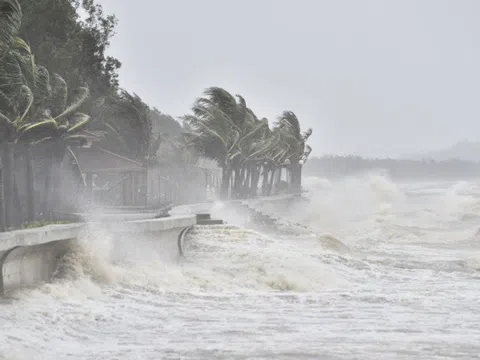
{"x": 39, "y": 113}
{"x": 225, "y": 129}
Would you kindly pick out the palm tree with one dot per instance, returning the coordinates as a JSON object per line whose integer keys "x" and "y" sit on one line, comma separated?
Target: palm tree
{"x": 288, "y": 127}
{"x": 2, "y": 203}
{"x": 127, "y": 123}
{"x": 59, "y": 128}
{"x": 127, "y": 120}
{"x": 12, "y": 131}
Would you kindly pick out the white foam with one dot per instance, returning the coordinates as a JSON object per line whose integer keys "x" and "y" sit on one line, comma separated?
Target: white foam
{"x": 405, "y": 283}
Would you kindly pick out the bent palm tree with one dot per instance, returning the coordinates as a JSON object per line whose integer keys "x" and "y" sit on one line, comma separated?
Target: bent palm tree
{"x": 10, "y": 21}
{"x": 288, "y": 127}
{"x": 60, "y": 128}
{"x": 127, "y": 123}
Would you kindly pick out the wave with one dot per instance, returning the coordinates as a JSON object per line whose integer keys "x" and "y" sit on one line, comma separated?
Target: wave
{"x": 369, "y": 246}
{"x": 331, "y": 243}
{"x": 236, "y": 258}
{"x": 345, "y": 218}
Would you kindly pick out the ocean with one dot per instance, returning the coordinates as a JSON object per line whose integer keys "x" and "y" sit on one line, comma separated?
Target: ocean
{"x": 368, "y": 268}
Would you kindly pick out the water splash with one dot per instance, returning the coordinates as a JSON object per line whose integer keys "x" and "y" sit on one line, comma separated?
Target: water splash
{"x": 396, "y": 259}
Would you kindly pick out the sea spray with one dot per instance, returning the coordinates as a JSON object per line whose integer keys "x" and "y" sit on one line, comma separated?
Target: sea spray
{"x": 410, "y": 277}
{"x": 237, "y": 258}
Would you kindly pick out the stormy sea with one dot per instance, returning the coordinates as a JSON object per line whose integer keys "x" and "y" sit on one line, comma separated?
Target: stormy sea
{"x": 362, "y": 268}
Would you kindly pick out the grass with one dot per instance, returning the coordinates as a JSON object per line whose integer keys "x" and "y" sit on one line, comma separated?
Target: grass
{"x": 40, "y": 223}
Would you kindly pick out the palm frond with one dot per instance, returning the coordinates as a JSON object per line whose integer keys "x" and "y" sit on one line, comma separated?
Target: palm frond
{"x": 5, "y": 102}
{"x": 42, "y": 140}
{"x": 82, "y": 94}
{"x": 80, "y": 121}
{"x": 25, "y": 102}
{"x": 222, "y": 99}
{"x": 38, "y": 130}
{"x": 42, "y": 84}
{"x": 25, "y": 60}
{"x": 11, "y": 75}
{"x": 58, "y": 98}
{"x": 75, "y": 140}
{"x": 10, "y": 22}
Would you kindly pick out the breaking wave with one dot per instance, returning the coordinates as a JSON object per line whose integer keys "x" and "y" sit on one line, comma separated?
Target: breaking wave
{"x": 368, "y": 248}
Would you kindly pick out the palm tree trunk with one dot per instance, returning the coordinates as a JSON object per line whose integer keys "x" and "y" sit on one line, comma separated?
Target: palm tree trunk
{"x": 243, "y": 181}
{"x": 297, "y": 178}
{"x": 252, "y": 185}
{"x": 290, "y": 179}
{"x": 48, "y": 185}
{"x": 52, "y": 182}
{"x": 265, "y": 180}
{"x": 247, "y": 181}
{"x": 258, "y": 173}
{"x": 7, "y": 161}
{"x": 2, "y": 203}
{"x": 236, "y": 182}
{"x": 144, "y": 185}
{"x": 239, "y": 178}
{"x": 272, "y": 180}
{"x": 239, "y": 182}
{"x": 78, "y": 178}
{"x": 256, "y": 181}
{"x": 46, "y": 205}
{"x": 18, "y": 214}
{"x": 226, "y": 171}
{"x": 30, "y": 185}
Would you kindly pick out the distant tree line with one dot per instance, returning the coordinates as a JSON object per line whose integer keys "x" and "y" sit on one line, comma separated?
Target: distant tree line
{"x": 332, "y": 166}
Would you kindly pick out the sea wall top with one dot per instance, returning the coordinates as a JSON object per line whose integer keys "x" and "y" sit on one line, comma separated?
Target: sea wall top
{"x": 50, "y": 233}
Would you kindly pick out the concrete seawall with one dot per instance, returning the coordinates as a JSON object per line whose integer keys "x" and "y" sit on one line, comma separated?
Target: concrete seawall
{"x": 29, "y": 257}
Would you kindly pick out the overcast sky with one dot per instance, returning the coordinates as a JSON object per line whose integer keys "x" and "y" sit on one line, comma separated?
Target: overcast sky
{"x": 371, "y": 77}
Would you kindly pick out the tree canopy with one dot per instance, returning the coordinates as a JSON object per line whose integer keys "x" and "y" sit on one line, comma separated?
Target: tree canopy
{"x": 71, "y": 46}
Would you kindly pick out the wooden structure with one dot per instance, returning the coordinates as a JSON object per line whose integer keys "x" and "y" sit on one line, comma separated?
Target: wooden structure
{"x": 111, "y": 178}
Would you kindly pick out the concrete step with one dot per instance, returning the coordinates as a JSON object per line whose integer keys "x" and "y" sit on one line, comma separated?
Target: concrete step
{"x": 210, "y": 222}
{"x": 203, "y": 217}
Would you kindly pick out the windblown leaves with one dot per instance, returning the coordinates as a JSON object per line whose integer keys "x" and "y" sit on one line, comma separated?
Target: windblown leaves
{"x": 30, "y": 102}
{"x": 224, "y": 129}
{"x": 10, "y": 22}
{"x": 58, "y": 98}
{"x": 126, "y": 122}
{"x": 81, "y": 95}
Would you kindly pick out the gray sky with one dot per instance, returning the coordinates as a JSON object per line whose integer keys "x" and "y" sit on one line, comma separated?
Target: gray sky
{"x": 372, "y": 77}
